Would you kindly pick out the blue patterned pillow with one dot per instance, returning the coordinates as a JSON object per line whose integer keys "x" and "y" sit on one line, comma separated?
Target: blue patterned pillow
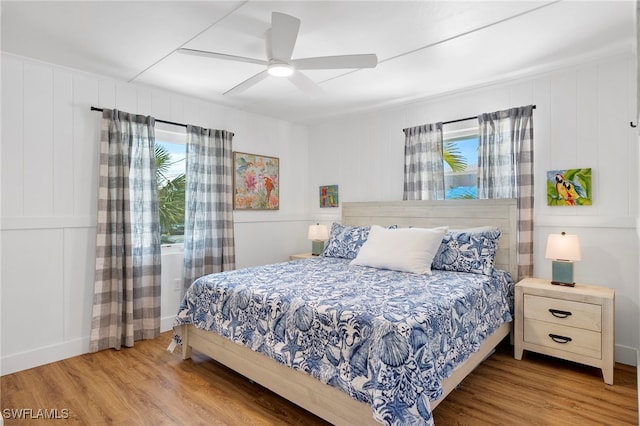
{"x": 345, "y": 241}
{"x": 473, "y": 252}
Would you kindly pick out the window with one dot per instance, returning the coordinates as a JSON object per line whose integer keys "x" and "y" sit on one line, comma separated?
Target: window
{"x": 170, "y": 174}
{"x": 460, "y": 160}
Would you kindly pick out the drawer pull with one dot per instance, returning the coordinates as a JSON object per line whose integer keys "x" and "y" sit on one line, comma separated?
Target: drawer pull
{"x": 560, "y": 339}
{"x": 559, "y": 314}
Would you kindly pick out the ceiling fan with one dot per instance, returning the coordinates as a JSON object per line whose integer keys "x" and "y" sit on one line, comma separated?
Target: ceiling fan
{"x": 281, "y": 39}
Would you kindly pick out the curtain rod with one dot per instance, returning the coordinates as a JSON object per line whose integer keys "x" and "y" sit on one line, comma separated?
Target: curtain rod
{"x": 158, "y": 120}
{"x": 458, "y": 120}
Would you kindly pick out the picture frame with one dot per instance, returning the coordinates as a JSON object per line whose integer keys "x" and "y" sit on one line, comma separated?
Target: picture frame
{"x": 328, "y": 195}
{"x": 256, "y": 182}
{"x": 569, "y": 187}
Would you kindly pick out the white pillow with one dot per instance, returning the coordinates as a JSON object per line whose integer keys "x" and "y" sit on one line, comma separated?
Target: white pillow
{"x": 402, "y": 249}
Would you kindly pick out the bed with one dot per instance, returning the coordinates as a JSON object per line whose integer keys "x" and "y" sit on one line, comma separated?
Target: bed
{"x": 374, "y": 361}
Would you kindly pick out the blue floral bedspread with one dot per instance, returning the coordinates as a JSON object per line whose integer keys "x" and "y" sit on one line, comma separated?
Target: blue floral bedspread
{"x": 386, "y": 338}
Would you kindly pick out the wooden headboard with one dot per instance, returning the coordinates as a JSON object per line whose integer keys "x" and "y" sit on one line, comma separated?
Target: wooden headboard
{"x": 457, "y": 214}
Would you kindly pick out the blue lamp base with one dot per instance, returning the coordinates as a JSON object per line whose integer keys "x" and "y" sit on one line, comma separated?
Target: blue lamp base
{"x": 562, "y": 273}
{"x": 316, "y": 247}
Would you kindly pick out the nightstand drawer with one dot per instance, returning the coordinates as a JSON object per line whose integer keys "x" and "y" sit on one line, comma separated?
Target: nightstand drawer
{"x": 568, "y": 339}
{"x": 563, "y": 312}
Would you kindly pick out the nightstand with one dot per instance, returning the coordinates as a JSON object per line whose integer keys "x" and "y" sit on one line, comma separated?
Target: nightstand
{"x": 572, "y": 323}
{"x": 300, "y": 256}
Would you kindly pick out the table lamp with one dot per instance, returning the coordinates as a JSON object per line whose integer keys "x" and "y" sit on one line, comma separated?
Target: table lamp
{"x": 318, "y": 234}
{"x": 563, "y": 249}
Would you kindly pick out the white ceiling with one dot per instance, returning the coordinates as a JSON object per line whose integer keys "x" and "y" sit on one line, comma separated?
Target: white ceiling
{"x": 424, "y": 48}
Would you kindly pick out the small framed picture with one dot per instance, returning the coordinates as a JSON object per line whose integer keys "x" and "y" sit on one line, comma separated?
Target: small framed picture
{"x": 329, "y": 196}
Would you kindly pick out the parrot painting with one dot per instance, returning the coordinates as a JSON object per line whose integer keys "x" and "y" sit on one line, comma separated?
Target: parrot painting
{"x": 567, "y": 190}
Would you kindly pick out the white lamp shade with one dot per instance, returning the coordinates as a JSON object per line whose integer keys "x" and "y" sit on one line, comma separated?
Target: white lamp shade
{"x": 563, "y": 247}
{"x": 318, "y": 232}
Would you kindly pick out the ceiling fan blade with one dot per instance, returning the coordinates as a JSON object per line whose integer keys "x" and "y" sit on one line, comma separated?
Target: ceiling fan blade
{"x": 247, "y": 83}
{"x": 305, "y": 84}
{"x": 268, "y": 38}
{"x": 284, "y": 33}
{"x": 224, "y": 56}
{"x": 336, "y": 62}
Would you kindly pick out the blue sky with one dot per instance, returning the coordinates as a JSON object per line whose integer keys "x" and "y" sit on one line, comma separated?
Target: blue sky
{"x": 178, "y": 153}
{"x": 469, "y": 150}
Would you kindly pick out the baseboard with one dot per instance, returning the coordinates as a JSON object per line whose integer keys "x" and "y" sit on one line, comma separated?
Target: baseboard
{"x": 626, "y": 355}
{"x": 43, "y": 355}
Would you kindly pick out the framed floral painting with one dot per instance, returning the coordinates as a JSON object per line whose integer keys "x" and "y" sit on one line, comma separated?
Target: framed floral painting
{"x": 256, "y": 182}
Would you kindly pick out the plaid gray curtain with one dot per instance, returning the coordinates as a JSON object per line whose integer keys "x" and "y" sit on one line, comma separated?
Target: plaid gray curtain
{"x": 208, "y": 234}
{"x": 505, "y": 170}
{"x": 126, "y": 300}
{"x": 423, "y": 163}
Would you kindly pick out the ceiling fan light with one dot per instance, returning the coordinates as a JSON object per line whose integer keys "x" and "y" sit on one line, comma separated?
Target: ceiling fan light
{"x": 280, "y": 70}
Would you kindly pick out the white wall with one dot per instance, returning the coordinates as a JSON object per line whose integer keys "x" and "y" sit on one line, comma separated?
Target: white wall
{"x": 49, "y": 157}
{"x": 582, "y": 120}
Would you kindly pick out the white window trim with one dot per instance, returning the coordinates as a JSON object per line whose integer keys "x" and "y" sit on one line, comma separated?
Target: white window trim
{"x": 461, "y": 130}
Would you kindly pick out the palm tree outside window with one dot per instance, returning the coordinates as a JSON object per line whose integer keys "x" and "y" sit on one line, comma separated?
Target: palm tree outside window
{"x": 460, "y": 156}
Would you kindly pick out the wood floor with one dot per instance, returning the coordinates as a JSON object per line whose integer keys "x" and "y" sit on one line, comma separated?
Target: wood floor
{"x": 146, "y": 385}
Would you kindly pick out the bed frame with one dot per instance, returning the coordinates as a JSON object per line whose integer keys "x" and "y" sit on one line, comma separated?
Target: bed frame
{"x": 327, "y": 401}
